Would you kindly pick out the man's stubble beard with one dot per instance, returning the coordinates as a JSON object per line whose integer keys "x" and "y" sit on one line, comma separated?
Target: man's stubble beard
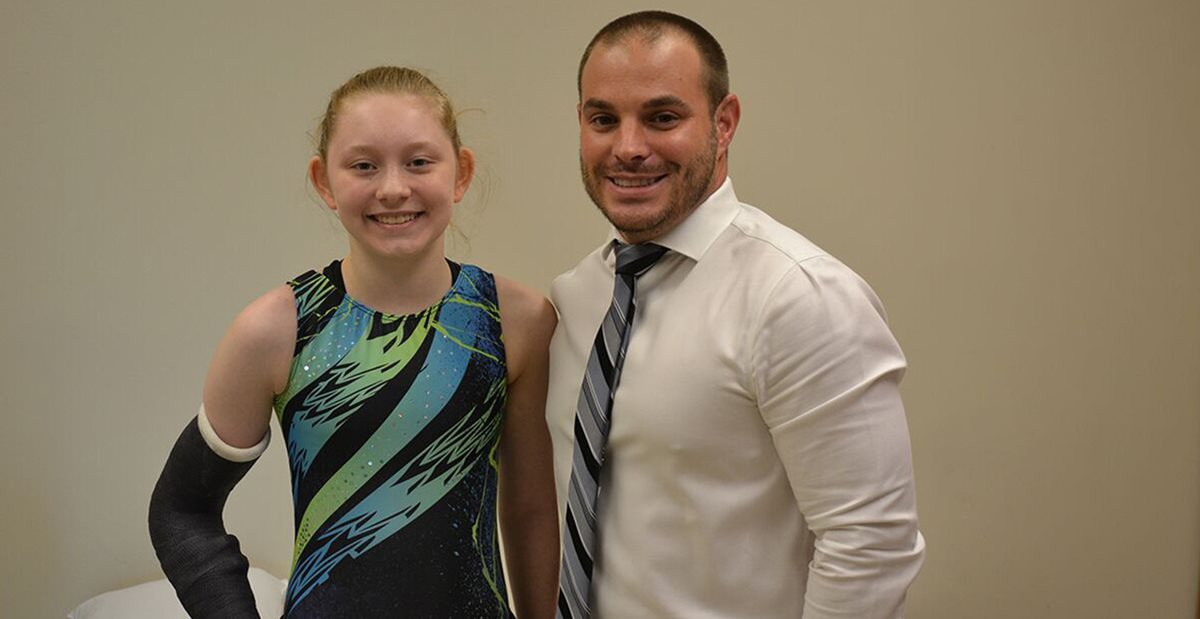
{"x": 684, "y": 198}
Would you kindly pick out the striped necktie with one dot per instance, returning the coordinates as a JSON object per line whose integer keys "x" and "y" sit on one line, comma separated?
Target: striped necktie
{"x": 591, "y": 430}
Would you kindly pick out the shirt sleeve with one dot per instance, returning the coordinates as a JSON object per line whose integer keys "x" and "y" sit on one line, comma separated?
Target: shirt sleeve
{"x": 826, "y": 372}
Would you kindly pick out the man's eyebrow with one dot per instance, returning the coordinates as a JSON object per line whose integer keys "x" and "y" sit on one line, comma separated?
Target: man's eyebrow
{"x": 657, "y": 102}
{"x": 666, "y": 101}
{"x": 597, "y": 104}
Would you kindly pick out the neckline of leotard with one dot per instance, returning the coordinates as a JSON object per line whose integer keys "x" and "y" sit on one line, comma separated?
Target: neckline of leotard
{"x": 333, "y": 273}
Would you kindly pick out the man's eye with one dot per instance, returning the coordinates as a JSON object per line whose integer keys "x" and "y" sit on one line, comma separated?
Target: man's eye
{"x": 664, "y": 119}
{"x": 601, "y": 121}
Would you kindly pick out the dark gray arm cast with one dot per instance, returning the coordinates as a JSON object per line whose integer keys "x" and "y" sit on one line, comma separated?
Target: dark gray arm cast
{"x": 201, "y": 560}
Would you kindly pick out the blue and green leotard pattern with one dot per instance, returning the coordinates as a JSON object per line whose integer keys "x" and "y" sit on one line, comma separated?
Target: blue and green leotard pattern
{"x": 392, "y": 425}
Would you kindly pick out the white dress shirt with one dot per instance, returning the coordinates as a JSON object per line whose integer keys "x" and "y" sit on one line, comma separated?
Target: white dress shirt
{"x": 758, "y": 460}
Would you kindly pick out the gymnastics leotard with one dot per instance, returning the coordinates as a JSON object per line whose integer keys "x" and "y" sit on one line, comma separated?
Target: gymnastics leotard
{"x": 392, "y": 425}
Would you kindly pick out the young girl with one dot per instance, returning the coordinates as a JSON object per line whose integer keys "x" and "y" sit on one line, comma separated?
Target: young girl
{"x": 407, "y": 387}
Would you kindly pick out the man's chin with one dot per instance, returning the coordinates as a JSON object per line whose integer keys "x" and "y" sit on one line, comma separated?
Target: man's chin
{"x": 630, "y": 220}
{"x": 638, "y": 231}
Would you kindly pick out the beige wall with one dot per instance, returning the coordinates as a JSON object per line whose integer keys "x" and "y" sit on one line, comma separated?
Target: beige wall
{"x": 1018, "y": 180}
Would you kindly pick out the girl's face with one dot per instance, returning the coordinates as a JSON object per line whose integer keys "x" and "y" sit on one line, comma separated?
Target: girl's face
{"x": 392, "y": 175}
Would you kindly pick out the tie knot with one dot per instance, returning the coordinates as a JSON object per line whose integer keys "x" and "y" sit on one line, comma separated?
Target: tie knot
{"x": 637, "y": 259}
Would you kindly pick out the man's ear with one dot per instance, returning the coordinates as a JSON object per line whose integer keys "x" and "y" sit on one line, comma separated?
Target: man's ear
{"x": 466, "y": 171}
{"x": 319, "y": 177}
{"x": 729, "y": 112}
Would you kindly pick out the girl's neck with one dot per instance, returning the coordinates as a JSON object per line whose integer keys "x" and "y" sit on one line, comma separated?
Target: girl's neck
{"x": 396, "y": 286}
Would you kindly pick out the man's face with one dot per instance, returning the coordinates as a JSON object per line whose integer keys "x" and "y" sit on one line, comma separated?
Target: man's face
{"x": 649, "y": 149}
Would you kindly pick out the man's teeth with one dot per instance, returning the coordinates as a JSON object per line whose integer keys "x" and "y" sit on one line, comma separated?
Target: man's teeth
{"x": 634, "y": 182}
{"x": 395, "y": 219}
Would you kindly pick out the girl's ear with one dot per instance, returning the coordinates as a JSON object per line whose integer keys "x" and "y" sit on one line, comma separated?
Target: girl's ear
{"x": 318, "y": 175}
{"x": 466, "y": 171}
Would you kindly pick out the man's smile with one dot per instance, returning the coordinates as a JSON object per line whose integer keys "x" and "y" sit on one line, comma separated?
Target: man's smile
{"x": 634, "y": 182}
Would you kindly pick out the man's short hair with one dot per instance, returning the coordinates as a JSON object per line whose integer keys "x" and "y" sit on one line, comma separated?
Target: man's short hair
{"x": 651, "y": 26}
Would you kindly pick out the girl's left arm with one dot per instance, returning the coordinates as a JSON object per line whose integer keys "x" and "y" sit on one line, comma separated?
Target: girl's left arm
{"x": 527, "y": 504}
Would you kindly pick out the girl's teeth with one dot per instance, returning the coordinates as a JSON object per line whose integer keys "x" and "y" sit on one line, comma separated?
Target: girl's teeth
{"x": 394, "y": 219}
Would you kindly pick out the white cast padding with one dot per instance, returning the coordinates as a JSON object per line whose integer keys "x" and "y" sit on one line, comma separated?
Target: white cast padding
{"x": 229, "y": 452}
{"x": 157, "y": 599}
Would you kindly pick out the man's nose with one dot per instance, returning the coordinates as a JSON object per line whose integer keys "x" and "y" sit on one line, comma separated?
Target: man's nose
{"x": 631, "y": 143}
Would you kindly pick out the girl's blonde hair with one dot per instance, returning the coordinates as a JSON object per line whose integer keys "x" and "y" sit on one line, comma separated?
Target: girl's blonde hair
{"x": 388, "y": 80}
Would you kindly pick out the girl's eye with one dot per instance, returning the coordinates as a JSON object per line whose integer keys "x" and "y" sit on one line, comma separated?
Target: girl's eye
{"x": 362, "y": 166}
{"x": 420, "y": 162}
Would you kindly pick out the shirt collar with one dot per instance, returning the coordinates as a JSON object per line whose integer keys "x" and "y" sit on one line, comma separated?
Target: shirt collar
{"x": 697, "y": 232}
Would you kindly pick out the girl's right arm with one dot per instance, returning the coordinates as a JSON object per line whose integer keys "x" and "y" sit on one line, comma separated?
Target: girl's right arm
{"x": 214, "y": 452}
{"x": 250, "y": 366}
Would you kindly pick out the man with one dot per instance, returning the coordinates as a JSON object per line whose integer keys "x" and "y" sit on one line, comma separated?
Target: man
{"x": 756, "y": 459}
